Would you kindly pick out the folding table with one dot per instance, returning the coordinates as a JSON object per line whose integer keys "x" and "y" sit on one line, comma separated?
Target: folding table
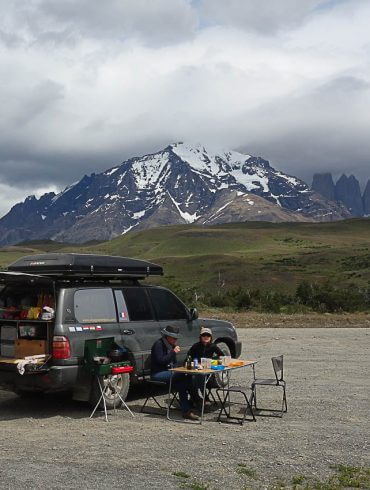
{"x": 206, "y": 373}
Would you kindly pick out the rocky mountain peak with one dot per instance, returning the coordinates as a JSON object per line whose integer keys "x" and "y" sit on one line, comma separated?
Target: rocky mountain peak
{"x": 347, "y": 190}
{"x": 366, "y": 199}
{"x": 182, "y": 183}
{"x": 324, "y": 185}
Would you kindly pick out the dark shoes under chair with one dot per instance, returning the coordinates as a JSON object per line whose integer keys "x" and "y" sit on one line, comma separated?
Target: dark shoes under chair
{"x": 278, "y": 381}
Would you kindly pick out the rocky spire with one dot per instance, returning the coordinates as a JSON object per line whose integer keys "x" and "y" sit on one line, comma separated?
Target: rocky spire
{"x": 347, "y": 190}
{"x": 324, "y": 185}
{"x": 366, "y": 199}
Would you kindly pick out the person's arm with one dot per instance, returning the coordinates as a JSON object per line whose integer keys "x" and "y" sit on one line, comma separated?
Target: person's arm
{"x": 161, "y": 358}
{"x": 191, "y": 352}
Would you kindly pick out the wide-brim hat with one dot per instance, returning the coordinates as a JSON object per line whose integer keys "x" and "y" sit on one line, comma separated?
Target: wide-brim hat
{"x": 170, "y": 331}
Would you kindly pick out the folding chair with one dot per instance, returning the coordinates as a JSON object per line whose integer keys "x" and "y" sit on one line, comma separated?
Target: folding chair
{"x": 278, "y": 381}
{"x": 153, "y": 387}
{"x": 211, "y": 385}
{"x": 226, "y": 399}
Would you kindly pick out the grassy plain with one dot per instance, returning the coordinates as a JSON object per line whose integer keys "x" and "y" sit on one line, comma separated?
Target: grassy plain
{"x": 253, "y": 319}
{"x": 252, "y": 254}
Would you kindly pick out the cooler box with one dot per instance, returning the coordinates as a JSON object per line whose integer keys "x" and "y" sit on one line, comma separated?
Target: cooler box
{"x": 8, "y": 336}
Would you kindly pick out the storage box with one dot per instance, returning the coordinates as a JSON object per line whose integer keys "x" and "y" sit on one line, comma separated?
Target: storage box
{"x": 25, "y": 347}
{"x": 8, "y": 335}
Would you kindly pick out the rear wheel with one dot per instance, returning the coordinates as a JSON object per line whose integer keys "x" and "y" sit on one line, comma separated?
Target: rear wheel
{"x": 113, "y": 385}
{"x": 216, "y": 380}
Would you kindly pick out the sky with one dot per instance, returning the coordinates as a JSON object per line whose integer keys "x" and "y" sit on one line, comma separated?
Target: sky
{"x": 86, "y": 84}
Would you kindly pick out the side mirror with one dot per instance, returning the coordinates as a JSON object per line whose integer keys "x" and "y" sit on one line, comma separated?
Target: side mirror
{"x": 193, "y": 314}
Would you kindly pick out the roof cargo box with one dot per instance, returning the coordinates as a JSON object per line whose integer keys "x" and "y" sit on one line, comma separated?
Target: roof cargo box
{"x": 84, "y": 265}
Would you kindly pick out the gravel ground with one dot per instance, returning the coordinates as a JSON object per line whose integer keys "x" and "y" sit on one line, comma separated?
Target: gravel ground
{"x": 51, "y": 442}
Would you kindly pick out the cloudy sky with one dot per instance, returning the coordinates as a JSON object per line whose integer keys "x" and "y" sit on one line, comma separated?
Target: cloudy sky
{"x": 85, "y": 84}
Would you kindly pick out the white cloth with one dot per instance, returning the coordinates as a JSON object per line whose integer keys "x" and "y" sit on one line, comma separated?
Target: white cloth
{"x": 28, "y": 360}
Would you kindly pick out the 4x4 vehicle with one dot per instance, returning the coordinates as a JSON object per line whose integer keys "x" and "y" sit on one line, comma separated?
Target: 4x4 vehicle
{"x": 50, "y": 304}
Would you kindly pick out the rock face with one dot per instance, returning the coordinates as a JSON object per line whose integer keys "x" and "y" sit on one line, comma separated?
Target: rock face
{"x": 180, "y": 184}
{"x": 366, "y": 199}
{"x": 347, "y": 190}
{"x": 324, "y": 185}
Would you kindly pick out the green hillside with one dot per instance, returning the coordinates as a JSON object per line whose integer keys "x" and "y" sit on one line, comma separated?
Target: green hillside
{"x": 254, "y": 254}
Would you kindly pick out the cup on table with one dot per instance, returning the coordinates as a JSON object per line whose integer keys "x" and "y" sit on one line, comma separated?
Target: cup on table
{"x": 209, "y": 363}
{"x": 203, "y": 362}
{"x": 227, "y": 360}
{"x": 223, "y": 360}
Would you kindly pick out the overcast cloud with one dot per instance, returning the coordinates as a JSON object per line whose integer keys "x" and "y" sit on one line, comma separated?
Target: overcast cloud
{"x": 85, "y": 84}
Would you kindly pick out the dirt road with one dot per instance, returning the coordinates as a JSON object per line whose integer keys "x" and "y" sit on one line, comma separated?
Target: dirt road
{"x": 50, "y": 441}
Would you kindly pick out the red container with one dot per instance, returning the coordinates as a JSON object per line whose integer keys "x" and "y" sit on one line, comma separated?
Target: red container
{"x": 122, "y": 369}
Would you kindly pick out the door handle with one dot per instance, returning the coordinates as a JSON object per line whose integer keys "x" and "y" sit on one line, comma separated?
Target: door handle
{"x": 128, "y": 331}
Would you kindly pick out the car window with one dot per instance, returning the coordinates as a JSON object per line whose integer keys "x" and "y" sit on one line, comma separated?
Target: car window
{"x": 94, "y": 305}
{"x": 167, "y": 306}
{"x": 138, "y": 305}
{"x": 121, "y": 306}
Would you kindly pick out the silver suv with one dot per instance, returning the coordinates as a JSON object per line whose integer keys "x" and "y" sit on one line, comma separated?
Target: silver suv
{"x": 88, "y": 297}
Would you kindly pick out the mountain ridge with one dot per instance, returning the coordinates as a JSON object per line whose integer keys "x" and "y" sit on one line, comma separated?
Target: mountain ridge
{"x": 180, "y": 184}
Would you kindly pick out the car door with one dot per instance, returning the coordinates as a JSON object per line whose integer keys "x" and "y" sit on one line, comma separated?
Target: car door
{"x": 138, "y": 326}
{"x": 170, "y": 310}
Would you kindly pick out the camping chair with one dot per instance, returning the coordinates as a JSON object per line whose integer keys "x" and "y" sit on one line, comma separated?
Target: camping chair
{"x": 152, "y": 393}
{"x": 223, "y": 394}
{"x": 211, "y": 385}
{"x": 278, "y": 381}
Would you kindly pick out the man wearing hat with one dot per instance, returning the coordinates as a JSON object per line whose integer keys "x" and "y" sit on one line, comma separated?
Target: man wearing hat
{"x": 204, "y": 348}
{"x": 163, "y": 357}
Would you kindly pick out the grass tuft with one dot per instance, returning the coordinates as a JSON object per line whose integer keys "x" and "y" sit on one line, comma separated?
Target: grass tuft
{"x": 244, "y": 470}
{"x": 181, "y": 474}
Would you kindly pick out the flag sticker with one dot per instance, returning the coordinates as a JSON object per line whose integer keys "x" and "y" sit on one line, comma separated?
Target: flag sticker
{"x": 123, "y": 314}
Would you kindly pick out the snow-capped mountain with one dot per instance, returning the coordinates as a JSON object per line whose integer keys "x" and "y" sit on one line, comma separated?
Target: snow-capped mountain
{"x": 180, "y": 184}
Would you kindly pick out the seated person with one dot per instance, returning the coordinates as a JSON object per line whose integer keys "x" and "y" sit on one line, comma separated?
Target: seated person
{"x": 164, "y": 352}
{"x": 204, "y": 348}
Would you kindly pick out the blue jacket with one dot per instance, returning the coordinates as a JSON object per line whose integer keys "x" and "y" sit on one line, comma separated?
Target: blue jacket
{"x": 161, "y": 357}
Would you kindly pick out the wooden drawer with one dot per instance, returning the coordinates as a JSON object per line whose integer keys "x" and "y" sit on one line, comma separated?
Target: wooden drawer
{"x": 24, "y": 348}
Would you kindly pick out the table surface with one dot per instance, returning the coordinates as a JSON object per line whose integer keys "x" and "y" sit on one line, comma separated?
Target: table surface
{"x": 183, "y": 369}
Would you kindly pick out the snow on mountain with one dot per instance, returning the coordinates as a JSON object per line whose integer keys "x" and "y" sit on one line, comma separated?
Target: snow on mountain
{"x": 181, "y": 184}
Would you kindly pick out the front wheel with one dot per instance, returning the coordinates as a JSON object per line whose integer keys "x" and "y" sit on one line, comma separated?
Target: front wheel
{"x": 112, "y": 385}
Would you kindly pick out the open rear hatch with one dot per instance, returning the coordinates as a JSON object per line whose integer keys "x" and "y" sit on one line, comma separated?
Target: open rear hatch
{"x": 27, "y": 311}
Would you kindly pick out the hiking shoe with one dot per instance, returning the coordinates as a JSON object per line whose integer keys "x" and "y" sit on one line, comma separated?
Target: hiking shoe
{"x": 190, "y": 415}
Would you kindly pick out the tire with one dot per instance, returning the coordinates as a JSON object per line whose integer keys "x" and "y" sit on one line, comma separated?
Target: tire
{"x": 122, "y": 384}
{"x": 216, "y": 380}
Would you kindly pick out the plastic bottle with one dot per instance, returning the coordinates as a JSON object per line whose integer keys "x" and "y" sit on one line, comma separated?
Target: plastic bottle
{"x": 196, "y": 363}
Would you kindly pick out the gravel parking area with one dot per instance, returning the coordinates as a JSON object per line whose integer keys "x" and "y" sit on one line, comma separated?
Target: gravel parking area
{"x": 50, "y": 441}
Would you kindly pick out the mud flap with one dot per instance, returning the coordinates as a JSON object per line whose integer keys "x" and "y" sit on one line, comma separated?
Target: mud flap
{"x": 82, "y": 388}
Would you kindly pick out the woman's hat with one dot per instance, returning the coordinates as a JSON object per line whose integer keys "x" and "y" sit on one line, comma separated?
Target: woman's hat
{"x": 171, "y": 332}
{"x": 205, "y": 331}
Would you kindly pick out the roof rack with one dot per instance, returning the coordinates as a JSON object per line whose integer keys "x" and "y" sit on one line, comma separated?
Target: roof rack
{"x": 70, "y": 265}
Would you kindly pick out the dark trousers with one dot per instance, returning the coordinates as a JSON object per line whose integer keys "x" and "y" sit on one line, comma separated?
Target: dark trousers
{"x": 181, "y": 383}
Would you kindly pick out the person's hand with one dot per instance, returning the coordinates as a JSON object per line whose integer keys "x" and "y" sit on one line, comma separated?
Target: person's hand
{"x": 176, "y": 349}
